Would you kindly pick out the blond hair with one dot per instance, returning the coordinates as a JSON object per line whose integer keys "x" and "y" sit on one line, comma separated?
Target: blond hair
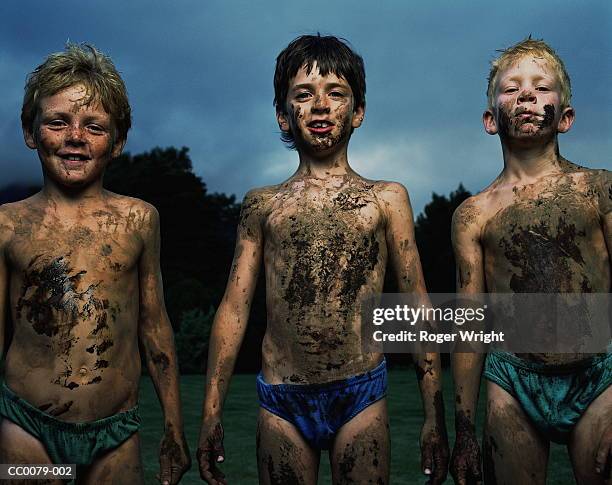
{"x": 535, "y": 48}
{"x": 79, "y": 64}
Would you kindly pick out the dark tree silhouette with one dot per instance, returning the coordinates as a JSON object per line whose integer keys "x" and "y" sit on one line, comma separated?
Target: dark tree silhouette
{"x": 198, "y": 234}
{"x": 433, "y": 238}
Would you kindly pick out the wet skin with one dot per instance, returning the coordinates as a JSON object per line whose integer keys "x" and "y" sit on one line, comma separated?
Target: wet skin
{"x": 543, "y": 226}
{"x": 325, "y": 236}
{"x": 80, "y": 274}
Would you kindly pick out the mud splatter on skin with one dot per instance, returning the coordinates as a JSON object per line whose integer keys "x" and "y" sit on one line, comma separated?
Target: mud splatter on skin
{"x": 549, "y": 116}
{"x": 50, "y": 289}
{"x": 58, "y": 410}
{"x": 420, "y": 371}
{"x": 161, "y": 360}
{"x": 347, "y": 462}
{"x": 101, "y": 347}
{"x": 467, "y": 450}
{"x": 284, "y": 469}
{"x": 295, "y": 379}
{"x": 106, "y": 250}
{"x": 364, "y": 458}
{"x": 101, "y": 364}
{"x": 503, "y": 122}
{"x": 542, "y": 256}
{"x": 488, "y": 464}
{"x": 51, "y": 301}
{"x": 170, "y": 448}
{"x": 354, "y": 198}
{"x": 318, "y": 267}
{"x": 326, "y": 260}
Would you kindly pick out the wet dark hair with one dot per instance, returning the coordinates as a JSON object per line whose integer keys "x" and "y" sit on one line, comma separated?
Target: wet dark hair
{"x": 332, "y": 55}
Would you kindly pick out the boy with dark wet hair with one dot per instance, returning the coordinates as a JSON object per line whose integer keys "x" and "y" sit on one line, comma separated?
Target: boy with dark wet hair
{"x": 80, "y": 276}
{"x": 543, "y": 226}
{"x": 325, "y": 236}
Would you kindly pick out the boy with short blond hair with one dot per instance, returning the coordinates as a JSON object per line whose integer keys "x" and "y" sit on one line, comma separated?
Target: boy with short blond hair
{"x": 80, "y": 277}
{"x": 543, "y": 226}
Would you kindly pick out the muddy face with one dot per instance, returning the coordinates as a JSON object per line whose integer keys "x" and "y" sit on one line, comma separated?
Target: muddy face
{"x": 320, "y": 112}
{"x": 527, "y": 98}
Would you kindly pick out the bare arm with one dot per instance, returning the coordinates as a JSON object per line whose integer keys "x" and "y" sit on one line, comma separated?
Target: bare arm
{"x": 605, "y": 207}
{"x": 603, "y": 456}
{"x": 467, "y": 367}
{"x": 156, "y": 336}
{"x": 6, "y": 231}
{"x": 227, "y": 334}
{"x": 404, "y": 257}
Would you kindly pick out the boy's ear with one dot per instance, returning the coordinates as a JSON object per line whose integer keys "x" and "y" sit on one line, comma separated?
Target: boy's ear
{"x": 118, "y": 148}
{"x": 567, "y": 119}
{"x": 283, "y": 121}
{"x": 489, "y": 122}
{"x": 358, "y": 116}
{"x": 29, "y": 138}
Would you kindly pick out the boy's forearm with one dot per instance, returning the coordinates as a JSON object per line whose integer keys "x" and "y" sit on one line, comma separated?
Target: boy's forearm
{"x": 225, "y": 340}
{"x": 467, "y": 369}
{"x": 429, "y": 376}
{"x": 162, "y": 364}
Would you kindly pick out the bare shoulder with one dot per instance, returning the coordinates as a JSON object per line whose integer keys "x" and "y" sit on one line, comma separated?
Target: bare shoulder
{"x": 393, "y": 195}
{"x": 257, "y": 200}
{"x": 7, "y": 222}
{"x": 136, "y": 214}
{"x": 599, "y": 182}
{"x": 390, "y": 190}
{"x": 471, "y": 213}
{"x": 20, "y": 216}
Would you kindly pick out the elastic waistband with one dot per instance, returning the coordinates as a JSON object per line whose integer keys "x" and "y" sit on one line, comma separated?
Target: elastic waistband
{"x": 78, "y": 427}
{"x": 328, "y": 386}
{"x": 554, "y": 369}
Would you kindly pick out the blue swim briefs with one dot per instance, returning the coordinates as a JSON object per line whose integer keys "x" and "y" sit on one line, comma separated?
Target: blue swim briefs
{"x": 318, "y": 411}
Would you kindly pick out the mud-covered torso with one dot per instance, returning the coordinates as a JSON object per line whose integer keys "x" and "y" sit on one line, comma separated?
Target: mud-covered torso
{"x": 324, "y": 250}
{"x": 547, "y": 237}
{"x": 74, "y": 308}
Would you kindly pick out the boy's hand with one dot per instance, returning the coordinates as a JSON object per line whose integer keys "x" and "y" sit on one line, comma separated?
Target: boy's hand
{"x": 466, "y": 460}
{"x": 434, "y": 452}
{"x": 174, "y": 459}
{"x": 603, "y": 457}
{"x": 211, "y": 452}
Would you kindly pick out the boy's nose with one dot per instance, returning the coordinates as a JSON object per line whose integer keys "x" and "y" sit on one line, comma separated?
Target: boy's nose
{"x": 527, "y": 96}
{"x": 320, "y": 105}
{"x": 75, "y": 134}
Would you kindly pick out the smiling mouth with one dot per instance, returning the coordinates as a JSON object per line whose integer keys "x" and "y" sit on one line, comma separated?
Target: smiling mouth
{"x": 74, "y": 157}
{"x": 320, "y": 127}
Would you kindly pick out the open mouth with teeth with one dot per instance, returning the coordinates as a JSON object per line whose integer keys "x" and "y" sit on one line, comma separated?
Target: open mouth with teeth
{"x": 320, "y": 127}
{"x": 74, "y": 159}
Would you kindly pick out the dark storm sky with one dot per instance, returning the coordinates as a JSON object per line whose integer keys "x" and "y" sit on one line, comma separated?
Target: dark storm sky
{"x": 199, "y": 74}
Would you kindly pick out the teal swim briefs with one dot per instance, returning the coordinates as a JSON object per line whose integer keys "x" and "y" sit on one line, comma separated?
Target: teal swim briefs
{"x": 68, "y": 443}
{"x": 553, "y": 398}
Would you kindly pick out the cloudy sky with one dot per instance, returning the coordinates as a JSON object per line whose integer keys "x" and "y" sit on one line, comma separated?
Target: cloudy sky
{"x": 199, "y": 74}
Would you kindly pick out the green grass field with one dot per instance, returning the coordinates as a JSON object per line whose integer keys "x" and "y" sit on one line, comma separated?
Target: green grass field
{"x": 240, "y": 418}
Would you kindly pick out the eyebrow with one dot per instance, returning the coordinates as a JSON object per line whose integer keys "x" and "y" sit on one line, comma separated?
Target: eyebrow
{"x": 310, "y": 85}
{"x": 538, "y": 77}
